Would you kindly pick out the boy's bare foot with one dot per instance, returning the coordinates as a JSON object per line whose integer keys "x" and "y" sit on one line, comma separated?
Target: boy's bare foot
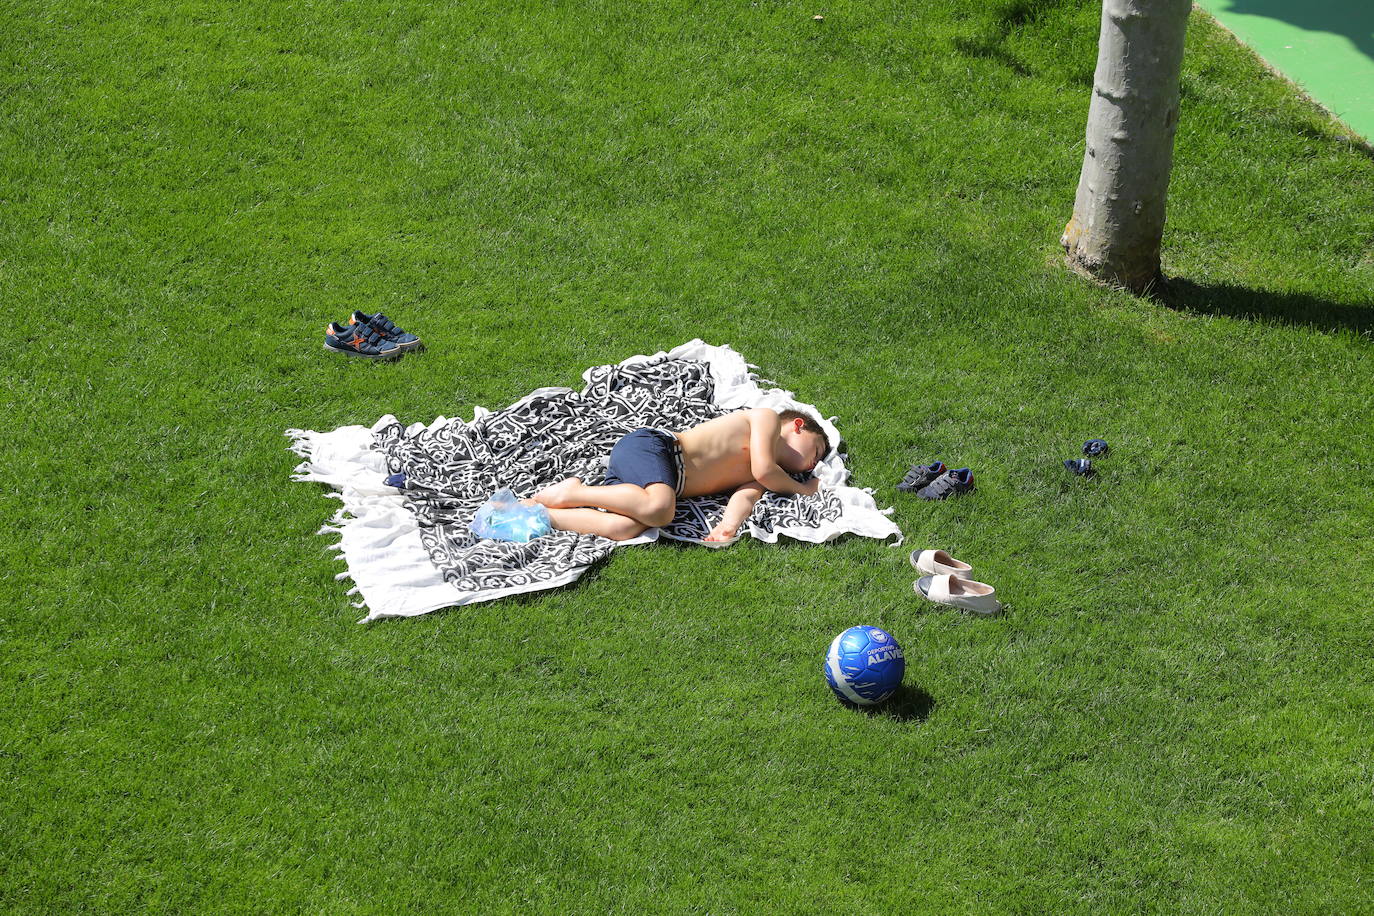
{"x": 721, "y": 533}
{"x": 560, "y": 495}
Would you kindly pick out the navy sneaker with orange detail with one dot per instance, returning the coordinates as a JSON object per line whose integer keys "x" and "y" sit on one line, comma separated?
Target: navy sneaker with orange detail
{"x": 352, "y": 340}
{"x": 387, "y": 328}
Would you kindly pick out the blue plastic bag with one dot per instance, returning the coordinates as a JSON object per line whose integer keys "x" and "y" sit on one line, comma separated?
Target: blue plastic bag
{"x": 503, "y": 518}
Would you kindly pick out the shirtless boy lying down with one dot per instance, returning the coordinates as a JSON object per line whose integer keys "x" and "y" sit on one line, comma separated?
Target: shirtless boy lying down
{"x": 746, "y": 452}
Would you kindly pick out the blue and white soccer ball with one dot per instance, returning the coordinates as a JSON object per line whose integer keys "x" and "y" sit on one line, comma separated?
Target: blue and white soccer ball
{"x": 864, "y": 665}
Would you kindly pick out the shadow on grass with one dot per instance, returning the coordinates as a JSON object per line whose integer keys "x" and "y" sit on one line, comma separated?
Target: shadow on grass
{"x": 991, "y": 49}
{"x": 1005, "y": 18}
{"x": 908, "y": 704}
{"x": 1326, "y": 134}
{"x": 1295, "y": 309}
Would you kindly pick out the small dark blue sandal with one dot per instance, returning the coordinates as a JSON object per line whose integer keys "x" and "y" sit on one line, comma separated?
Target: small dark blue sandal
{"x": 920, "y": 475}
{"x": 1083, "y": 467}
{"x": 950, "y": 483}
{"x": 1096, "y": 448}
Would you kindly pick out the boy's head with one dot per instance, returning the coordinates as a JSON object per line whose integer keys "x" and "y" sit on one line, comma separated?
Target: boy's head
{"x": 804, "y": 443}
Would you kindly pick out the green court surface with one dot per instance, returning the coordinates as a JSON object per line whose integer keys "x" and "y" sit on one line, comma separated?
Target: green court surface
{"x": 1325, "y": 46}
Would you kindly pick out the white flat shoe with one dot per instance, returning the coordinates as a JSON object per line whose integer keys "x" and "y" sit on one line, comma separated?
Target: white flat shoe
{"x": 975, "y": 597}
{"x": 939, "y": 563}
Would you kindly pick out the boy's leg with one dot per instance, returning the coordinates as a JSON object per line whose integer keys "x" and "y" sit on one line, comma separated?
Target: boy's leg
{"x": 590, "y": 521}
{"x": 653, "y": 505}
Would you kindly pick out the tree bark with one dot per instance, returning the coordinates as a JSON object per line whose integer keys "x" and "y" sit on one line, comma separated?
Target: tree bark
{"x": 1118, "y": 213}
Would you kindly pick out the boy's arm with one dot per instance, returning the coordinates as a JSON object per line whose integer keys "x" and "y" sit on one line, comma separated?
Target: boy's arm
{"x": 736, "y": 511}
{"x": 764, "y": 426}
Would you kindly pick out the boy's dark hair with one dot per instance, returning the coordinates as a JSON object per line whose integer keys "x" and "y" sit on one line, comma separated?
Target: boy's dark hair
{"x": 809, "y": 424}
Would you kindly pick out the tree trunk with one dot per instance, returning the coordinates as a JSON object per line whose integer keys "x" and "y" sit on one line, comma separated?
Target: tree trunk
{"x": 1118, "y": 214}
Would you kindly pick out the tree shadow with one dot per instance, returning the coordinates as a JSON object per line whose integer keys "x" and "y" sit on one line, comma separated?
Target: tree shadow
{"x": 1005, "y": 18}
{"x": 1353, "y": 19}
{"x": 908, "y": 704}
{"x": 1293, "y": 309}
{"x": 991, "y": 49}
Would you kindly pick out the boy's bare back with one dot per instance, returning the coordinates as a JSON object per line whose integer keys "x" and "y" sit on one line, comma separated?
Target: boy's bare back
{"x": 745, "y": 447}
{"x": 715, "y": 455}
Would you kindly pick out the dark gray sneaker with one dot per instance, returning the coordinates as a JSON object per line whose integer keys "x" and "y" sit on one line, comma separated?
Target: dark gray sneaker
{"x": 950, "y": 483}
{"x": 921, "y": 476}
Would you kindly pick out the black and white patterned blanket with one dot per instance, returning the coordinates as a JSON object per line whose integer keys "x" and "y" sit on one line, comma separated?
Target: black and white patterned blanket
{"x": 453, "y": 466}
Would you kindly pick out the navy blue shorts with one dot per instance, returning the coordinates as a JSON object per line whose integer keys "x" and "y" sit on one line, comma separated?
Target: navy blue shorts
{"x": 646, "y": 456}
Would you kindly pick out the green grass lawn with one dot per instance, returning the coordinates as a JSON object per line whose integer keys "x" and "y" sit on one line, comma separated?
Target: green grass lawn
{"x": 1173, "y": 716}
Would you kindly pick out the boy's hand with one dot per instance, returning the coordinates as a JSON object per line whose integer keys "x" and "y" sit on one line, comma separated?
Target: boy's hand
{"x": 811, "y": 487}
{"x": 722, "y": 532}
